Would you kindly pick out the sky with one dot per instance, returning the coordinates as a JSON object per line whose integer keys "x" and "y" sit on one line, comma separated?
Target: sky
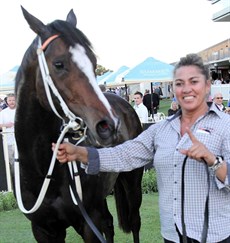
{"x": 122, "y": 32}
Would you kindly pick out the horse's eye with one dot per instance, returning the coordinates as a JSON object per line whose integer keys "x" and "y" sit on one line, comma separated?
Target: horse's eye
{"x": 59, "y": 65}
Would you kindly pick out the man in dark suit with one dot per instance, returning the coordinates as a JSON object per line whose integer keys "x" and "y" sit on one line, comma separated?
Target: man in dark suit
{"x": 156, "y": 101}
{"x": 147, "y": 101}
{"x": 151, "y": 101}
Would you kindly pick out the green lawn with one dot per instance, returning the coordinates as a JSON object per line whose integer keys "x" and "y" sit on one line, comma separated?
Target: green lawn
{"x": 14, "y": 227}
{"x": 164, "y": 106}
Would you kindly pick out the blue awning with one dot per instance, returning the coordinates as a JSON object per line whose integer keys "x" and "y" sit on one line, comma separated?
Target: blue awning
{"x": 150, "y": 70}
{"x": 100, "y": 79}
{"x": 116, "y": 76}
{"x": 7, "y": 80}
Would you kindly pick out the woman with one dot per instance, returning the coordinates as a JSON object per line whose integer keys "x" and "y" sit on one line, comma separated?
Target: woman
{"x": 173, "y": 108}
{"x": 197, "y": 131}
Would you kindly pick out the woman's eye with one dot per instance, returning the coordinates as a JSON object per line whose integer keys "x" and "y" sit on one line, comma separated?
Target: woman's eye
{"x": 194, "y": 81}
{"x": 178, "y": 84}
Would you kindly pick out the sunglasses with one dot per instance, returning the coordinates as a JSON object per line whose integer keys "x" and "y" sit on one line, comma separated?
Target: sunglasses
{"x": 219, "y": 98}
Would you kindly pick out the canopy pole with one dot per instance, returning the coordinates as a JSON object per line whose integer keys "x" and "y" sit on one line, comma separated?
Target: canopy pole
{"x": 152, "y": 111}
{"x": 126, "y": 92}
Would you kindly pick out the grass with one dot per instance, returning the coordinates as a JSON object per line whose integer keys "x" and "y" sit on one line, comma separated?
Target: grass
{"x": 14, "y": 226}
{"x": 165, "y": 105}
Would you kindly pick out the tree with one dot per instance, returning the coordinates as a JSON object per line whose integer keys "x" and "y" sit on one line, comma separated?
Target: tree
{"x": 101, "y": 70}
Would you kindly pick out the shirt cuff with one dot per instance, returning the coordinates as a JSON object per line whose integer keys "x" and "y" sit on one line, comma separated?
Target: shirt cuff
{"x": 93, "y": 161}
{"x": 228, "y": 171}
{"x": 224, "y": 184}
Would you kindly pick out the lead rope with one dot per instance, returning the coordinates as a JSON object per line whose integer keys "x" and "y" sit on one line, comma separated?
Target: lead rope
{"x": 206, "y": 212}
{"x": 75, "y": 174}
{"x": 84, "y": 213}
{"x": 74, "y": 183}
{"x": 71, "y": 124}
{"x": 76, "y": 192}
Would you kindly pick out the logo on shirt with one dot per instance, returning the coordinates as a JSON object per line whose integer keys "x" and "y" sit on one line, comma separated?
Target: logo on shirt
{"x": 204, "y": 130}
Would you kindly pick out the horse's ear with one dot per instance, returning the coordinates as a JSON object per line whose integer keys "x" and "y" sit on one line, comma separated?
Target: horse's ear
{"x": 35, "y": 24}
{"x": 71, "y": 18}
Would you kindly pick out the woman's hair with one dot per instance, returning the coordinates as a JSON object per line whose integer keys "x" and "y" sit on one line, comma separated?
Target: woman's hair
{"x": 174, "y": 102}
{"x": 192, "y": 60}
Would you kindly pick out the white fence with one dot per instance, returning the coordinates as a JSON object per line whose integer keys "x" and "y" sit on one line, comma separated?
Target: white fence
{"x": 6, "y": 159}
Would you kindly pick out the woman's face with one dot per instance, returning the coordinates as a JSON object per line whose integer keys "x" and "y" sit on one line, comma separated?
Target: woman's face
{"x": 174, "y": 106}
{"x": 191, "y": 88}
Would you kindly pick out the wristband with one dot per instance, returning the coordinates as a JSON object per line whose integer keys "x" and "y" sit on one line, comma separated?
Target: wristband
{"x": 217, "y": 163}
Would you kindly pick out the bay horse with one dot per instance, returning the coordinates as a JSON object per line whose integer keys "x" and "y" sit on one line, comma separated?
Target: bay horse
{"x": 56, "y": 89}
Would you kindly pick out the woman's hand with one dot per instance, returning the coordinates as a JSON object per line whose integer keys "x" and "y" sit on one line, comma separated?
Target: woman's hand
{"x": 69, "y": 152}
{"x": 198, "y": 150}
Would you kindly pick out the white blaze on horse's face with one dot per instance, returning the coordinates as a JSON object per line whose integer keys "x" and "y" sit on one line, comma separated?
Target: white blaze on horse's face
{"x": 81, "y": 59}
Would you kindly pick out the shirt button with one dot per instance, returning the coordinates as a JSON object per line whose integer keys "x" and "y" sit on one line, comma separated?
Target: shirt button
{"x": 175, "y": 165}
{"x": 175, "y": 199}
{"x": 175, "y": 182}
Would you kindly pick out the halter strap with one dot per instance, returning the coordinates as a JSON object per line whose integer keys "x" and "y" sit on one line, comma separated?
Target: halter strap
{"x": 47, "y": 42}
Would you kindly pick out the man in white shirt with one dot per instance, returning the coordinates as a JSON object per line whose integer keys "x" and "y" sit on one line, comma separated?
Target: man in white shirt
{"x": 217, "y": 82}
{"x": 218, "y": 100}
{"x": 140, "y": 108}
{"x": 7, "y": 120}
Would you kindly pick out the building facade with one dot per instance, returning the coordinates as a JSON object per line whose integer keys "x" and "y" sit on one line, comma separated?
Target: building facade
{"x": 217, "y": 57}
{"x": 221, "y": 10}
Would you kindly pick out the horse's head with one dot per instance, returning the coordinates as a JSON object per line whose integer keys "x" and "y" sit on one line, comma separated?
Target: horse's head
{"x": 71, "y": 65}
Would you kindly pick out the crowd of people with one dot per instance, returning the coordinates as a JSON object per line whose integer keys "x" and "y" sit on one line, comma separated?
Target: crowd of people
{"x": 3, "y": 103}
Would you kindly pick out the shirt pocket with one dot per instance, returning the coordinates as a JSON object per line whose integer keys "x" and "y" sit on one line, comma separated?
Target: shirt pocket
{"x": 213, "y": 141}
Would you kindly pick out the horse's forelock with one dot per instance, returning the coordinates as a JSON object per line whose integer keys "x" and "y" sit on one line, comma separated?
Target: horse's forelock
{"x": 72, "y": 36}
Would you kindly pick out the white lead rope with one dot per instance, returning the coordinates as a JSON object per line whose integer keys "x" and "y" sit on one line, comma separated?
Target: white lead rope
{"x": 71, "y": 124}
{"x": 74, "y": 175}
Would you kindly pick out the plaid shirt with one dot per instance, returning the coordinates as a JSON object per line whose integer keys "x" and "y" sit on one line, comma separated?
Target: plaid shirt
{"x": 160, "y": 143}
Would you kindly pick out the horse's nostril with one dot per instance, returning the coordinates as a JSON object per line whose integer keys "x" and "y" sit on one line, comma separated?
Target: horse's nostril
{"x": 104, "y": 125}
{"x": 104, "y": 130}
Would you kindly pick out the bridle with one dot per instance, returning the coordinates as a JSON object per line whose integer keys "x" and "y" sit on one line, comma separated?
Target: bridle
{"x": 48, "y": 82}
{"x": 75, "y": 123}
